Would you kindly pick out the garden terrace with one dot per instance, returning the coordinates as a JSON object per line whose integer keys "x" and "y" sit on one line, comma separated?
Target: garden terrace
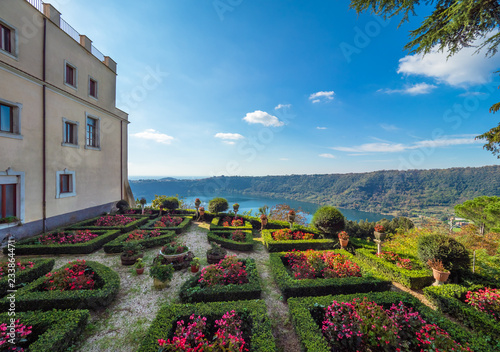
{"x": 450, "y": 299}
{"x": 254, "y": 314}
{"x": 53, "y": 331}
{"x": 186, "y": 220}
{"x": 32, "y": 245}
{"x": 129, "y": 226}
{"x": 412, "y": 278}
{"x": 217, "y": 224}
{"x": 33, "y": 297}
{"x": 301, "y": 245}
{"x": 194, "y": 291}
{"x": 224, "y": 239}
{"x": 293, "y": 287}
{"x": 40, "y": 267}
{"x": 116, "y": 246}
{"x": 307, "y": 313}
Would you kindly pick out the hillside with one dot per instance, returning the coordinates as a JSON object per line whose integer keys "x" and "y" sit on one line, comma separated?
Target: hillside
{"x": 380, "y": 191}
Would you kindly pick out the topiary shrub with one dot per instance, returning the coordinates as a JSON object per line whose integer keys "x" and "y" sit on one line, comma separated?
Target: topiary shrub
{"x": 217, "y": 205}
{"x": 122, "y": 205}
{"x": 328, "y": 220}
{"x": 170, "y": 203}
{"x": 452, "y": 253}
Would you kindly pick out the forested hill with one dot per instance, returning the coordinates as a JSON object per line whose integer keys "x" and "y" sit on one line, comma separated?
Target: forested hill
{"x": 380, "y": 191}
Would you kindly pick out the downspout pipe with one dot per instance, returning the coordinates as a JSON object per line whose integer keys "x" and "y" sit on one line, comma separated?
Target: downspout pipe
{"x": 44, "y": 130}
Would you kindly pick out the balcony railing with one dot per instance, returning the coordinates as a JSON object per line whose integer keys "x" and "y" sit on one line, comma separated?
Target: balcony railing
{"x": 66, "y": 27}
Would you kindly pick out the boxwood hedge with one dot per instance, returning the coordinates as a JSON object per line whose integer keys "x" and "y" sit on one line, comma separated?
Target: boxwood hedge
{"x": 57, "y": 330}
{"x": 89, "y": 224}
{"x": 414, "y": 279}
{"x": 302, "y": 310}
{"x": 301, "y": 245}
{"x": 450, "y": 300}
{"x": 116, "y": 246}
{"x": 40, "y": 268}
{"x": 216, "y": 224}
{"x": 178, "y": 229}
{"x": 292, "y": 287}
{"x": 30, "y": 246}
{"x": 191, "y": 291}
{"x": 247, "y": 245}
{"x": 31, "y": 297}
{"x": 261, "y": 337}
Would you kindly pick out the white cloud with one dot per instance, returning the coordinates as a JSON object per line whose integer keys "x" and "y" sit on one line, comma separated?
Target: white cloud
{"x": 263, "y": 118}
{"x": 328, "y": 156}
{"x": 284, "y": 159}
{"x": 282, "y": 106}
{"x": 471, "y": 94}
{"x": 230, "y": 136}
{"x": 416, "y": 89}
{"x": 229, "y": 142}
{"x": 321, "y": 128}
{"x": 154, "y": 135}
{"x": 399, "y": 147}
{"x": 465, "y": 68}
{"x": 389, "y": 128}
{"x": 321, "y": 96}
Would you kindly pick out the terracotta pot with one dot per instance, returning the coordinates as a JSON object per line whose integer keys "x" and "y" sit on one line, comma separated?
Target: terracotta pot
{"x": 214, "y": 259}
{"x": 440, "y": 276}
{"x": 202, "y": 212}
{"x": 194, "y": 268}
{"x": 130, "y": 260}
{"x": 139, "y": 271}
{"x": 159, "y": 285}
{"x": 380, "y": 235}
{"x": 343, "y": 243}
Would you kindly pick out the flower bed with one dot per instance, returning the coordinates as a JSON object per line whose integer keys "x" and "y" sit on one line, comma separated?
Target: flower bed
{"x": 223, "y": 282}
{"x": 147, "y": 241}
{"x": 451, "y": 299}
{"x": 284, "y": 245}
{"x": 317, "y": 285}
{"x": 174, "y": 224}
{"x": 23, "y": 276}
{"x": 228, "y": 223}
{"x": 332, "y": 323}
{"x": 53, "y": 331}
{"x": 124, "y": 223}
{"x": 33, "y": 245}
{"x": 239, "y": 240}
{"x": 415, "y": 278}
{"x": 151, "y": 213}
{"x": 256, "y": 327}
{"x": 45, "y": 295}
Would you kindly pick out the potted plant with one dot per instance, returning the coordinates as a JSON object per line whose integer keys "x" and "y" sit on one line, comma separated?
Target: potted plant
{"x": 197, "y": 203}
{"x": 174, "y": 251}
{"x": 343, "y": 239}
{"x": 291, "y": 217}
{"x": 236, "y": 207}
{"x": 215, "y": 254}
{"x": 161, "y": 273}
{"x": 143, "y": 202}
{"x": 195, "y": 265}
{"x": 380, "y": 232}
{"x": 139, "y": 266}
{"x": 440, "y": 273}
{"x": 201, "y": 217}
{"x": 263, "y": 217}
{"x": 131, "y": 252}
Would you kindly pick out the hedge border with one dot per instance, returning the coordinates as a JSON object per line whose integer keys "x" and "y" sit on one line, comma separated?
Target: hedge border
{"x": 62, "y": 327}
{"x": 262, "y": 339}
{"x": 116, "y": 246}
{"x": 245, "y": 246}
{"x": 40, "y": 268}
{"x": 78, "y": 248}
{"x": 192, "y": 292}
{"x": 312, "y": 339}
{"x": 214, "y": 225}
{"x": 178, "y": 229}
{"x": 301, "y": 245}
{"x": 83, "y": 225}
{"x": 291, "y": 287}
{"x": 414, "y": 279}
{"x": 447, "y": 299}
{"x": 28, "y": 298}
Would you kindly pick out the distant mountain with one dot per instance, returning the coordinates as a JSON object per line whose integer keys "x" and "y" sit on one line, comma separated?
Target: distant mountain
{"x": 379, "y": 191}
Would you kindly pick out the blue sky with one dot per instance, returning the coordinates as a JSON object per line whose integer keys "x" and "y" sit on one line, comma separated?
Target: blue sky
{"x": 240, "y": 87}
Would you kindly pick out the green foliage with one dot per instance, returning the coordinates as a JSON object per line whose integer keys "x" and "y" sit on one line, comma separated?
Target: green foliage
{"x": 191, "y": 291}
{"x": 320, "y": 286}
{"x": 30, "y": 246}
{"x": 178, "y": 229}
{"x": 89, "y": 224}
{"x": 31, "y": 297}
{"x": 483, "y": 211}
{"x": 170, "y": 203}
{"x": 162, "y": 272}
{"x": 122, "y": 205}
{"x": 301, "y": 245}
{"x": 280, "y": 212}
{"x": 328, "y": 220}
{"x": 59, "y": 329}
{"x": 492, "y": 136}
{"x": 255, "y": 313}
{"x": 216, "y": 224}
{"x": 452, "y": 253}
{"x": 217, "y": 205}
{"x": 247, "y": 245}
{"x": 40, "y": 268}
{"x": 116, "y": 246}
{"x": 414, "y": 279}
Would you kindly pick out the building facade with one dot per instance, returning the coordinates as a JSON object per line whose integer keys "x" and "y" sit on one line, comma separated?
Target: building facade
{"x": 63, "y": 142}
